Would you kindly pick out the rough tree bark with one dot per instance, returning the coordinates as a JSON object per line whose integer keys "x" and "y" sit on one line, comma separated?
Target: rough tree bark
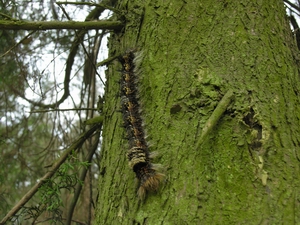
{"x": 246, "y": 170}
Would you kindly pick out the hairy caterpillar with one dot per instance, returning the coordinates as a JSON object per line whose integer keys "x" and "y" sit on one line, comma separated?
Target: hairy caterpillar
{"x": 138, "y": 154}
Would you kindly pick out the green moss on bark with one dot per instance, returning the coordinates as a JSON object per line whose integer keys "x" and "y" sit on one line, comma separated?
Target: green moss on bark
{"x": 247, "y": 169}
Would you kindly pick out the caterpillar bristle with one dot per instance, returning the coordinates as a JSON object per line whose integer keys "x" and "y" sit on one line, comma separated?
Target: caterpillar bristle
{"x": 149, "y": 181}
{"x": 138, "y": 154}
{"x": 153, "y": 155}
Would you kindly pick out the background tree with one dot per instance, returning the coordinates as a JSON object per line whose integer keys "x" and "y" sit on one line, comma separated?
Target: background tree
{"x": 234, "y": 64}
{"x": 39, "y": 71}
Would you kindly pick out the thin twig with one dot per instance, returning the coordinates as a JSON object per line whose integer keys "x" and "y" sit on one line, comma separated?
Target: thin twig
{"x": 106, "y": 61}
{"x": 215, "y": 116}
{"x": 92, "y": 4}
{"x": 8, "y": 16}
{"x": 84, "y": 49}
{"x": 61, "y": 110}
{"x": 18, "y": 43}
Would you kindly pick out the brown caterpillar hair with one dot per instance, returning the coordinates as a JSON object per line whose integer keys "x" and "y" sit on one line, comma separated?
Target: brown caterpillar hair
{"x": 138, "y": 154}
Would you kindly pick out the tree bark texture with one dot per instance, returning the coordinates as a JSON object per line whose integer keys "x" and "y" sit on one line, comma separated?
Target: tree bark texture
{"x": 246, "y": 169}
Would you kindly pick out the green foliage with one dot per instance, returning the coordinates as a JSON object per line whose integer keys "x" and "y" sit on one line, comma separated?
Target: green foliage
{"x": 48, "y": 203}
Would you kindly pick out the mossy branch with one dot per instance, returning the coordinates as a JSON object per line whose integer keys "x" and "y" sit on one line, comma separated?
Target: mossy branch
{"x": 107, "y": 61}
{"x": 52, "y": 25}
{"x": 215, "y": 116}
{"x": 62, "y": 110}
{"x": 77, "y": 144}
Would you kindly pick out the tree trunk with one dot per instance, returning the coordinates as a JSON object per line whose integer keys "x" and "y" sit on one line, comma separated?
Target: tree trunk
{"x": 246, "y": 169}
